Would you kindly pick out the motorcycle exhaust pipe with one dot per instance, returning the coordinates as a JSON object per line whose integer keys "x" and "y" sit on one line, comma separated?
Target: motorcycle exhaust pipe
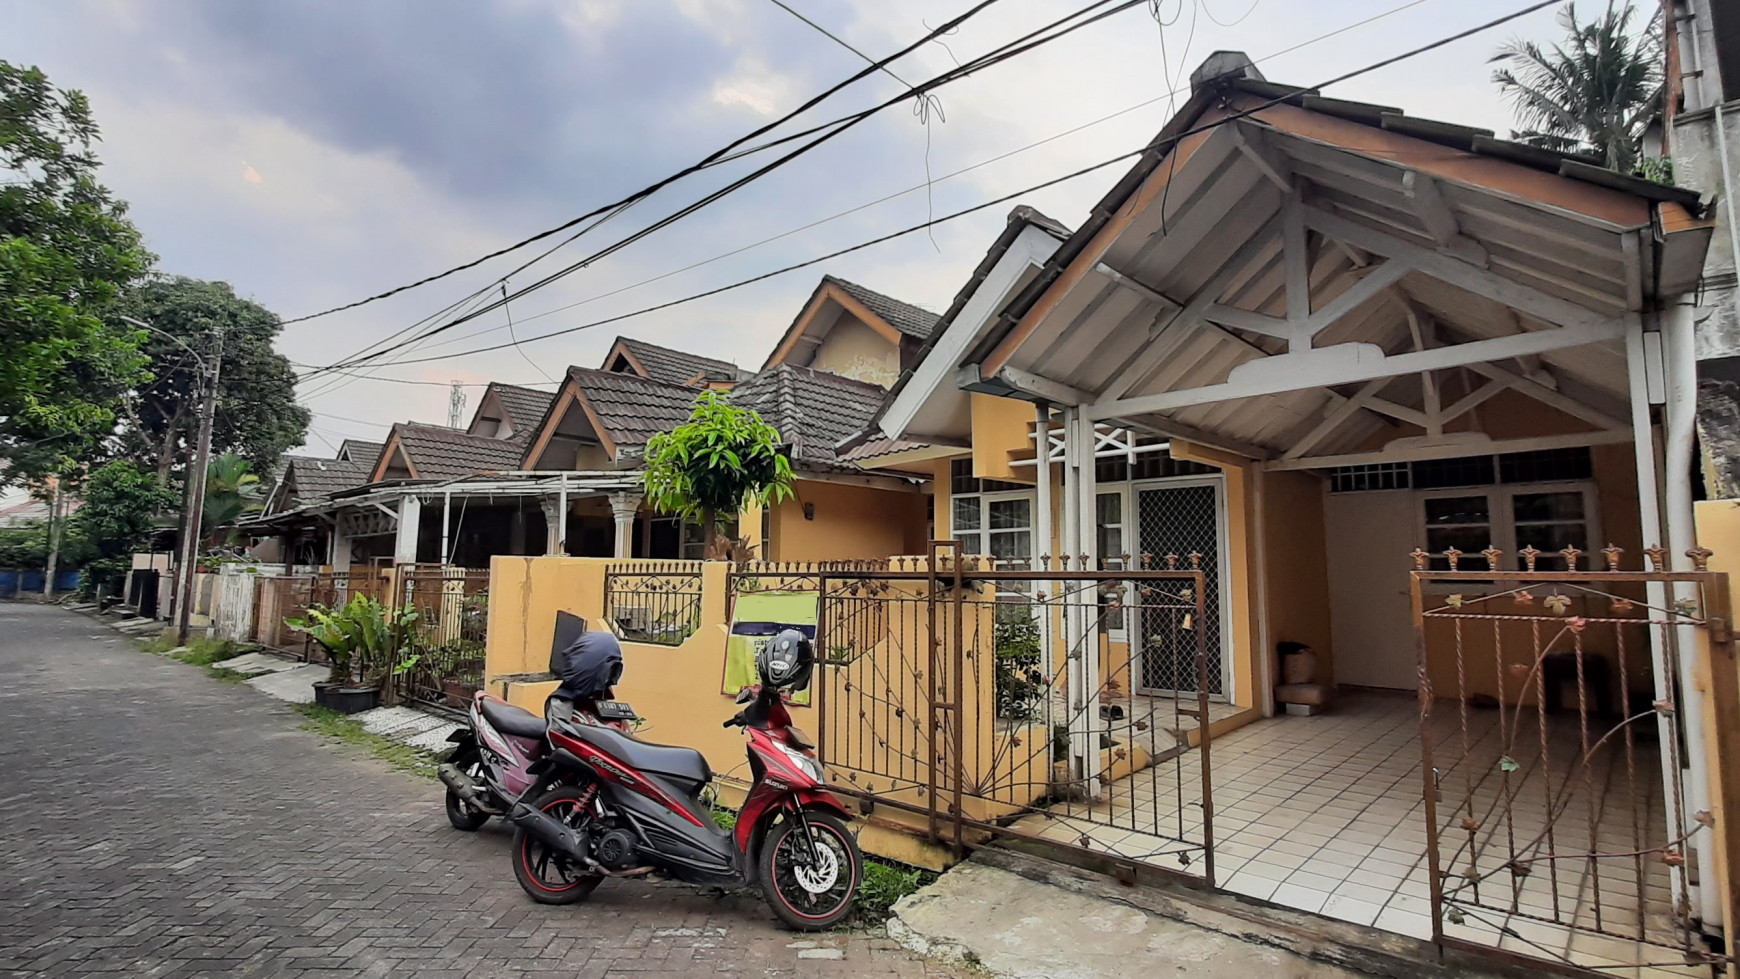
{"x": 552, "y": 831}
{"x": 465, "y": 787}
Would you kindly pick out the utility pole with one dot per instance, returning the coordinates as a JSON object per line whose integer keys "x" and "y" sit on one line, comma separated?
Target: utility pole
{"x": 196, "y": 491}
{"x": 55, "y": 522}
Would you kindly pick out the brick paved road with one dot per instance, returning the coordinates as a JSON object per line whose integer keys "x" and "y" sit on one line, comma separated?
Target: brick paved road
{"x": 154, "y": 821}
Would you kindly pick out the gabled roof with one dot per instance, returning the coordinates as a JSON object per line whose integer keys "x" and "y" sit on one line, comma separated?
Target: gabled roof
{"x": 315, "y": 478}
{"x": 905, "y": 317}
{"x": 357, "y": 450}
{"x": 525, "y": 407}
{"x": 657, "y": 363}
{"x": 624, "y": 410}
{"x": 813, "y": 410}
{"x": 439, "y": 452}
{"x": 902, "y": 324}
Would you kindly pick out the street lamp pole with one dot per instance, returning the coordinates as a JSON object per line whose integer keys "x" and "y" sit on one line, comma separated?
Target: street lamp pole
{"x": 193, "y": 508}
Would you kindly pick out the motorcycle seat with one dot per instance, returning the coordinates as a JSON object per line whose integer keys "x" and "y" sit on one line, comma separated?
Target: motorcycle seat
{"x": 511, "y": 720}
{"x": 685, "y": 765}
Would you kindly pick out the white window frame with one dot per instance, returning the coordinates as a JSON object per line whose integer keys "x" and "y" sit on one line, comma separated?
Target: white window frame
{"x": 1501, "y": 503}
{"x": 983, "y": 532}
{"x": 1126, "y": 524}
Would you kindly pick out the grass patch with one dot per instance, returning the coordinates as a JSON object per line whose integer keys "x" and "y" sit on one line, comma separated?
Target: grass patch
{"x": 343, "y": 727}
{"x": 205, "y": 652}
{"x": 164, "y": 642}
{"x": 886, "y": 883}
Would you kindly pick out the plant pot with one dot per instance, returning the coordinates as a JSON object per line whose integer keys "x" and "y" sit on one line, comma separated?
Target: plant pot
{"x": 345, "y": 699}
{"x": 456, "y": 692}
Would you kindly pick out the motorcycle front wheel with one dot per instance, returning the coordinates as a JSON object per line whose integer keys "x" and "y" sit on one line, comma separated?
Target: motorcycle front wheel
{"x": 459, "y": 812}
{"x": 543, "y": 872}
{"x": 811, "y": 895}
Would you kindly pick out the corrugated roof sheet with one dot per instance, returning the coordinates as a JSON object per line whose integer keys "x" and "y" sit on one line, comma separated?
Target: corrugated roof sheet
{"x": 676, "y": 366}
{"x": 439, "y": 452}
{"x": 905, "y": 317}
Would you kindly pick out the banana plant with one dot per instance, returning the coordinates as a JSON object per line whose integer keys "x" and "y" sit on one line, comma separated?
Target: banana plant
{"x": 362, "y": 637}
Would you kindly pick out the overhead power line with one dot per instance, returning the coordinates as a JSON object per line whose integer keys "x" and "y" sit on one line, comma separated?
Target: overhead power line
{"x": 717, "y": 156}
{"x": 1057, "y": 29}
{"x": 1156, "y": 146}
{"x": 897, "y": 194}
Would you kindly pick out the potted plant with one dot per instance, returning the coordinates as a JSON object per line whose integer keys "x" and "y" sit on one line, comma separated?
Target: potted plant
{"x": 362, "y": 640}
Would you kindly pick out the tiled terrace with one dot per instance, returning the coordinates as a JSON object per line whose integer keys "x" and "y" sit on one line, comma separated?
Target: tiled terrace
{"x": 1325, "y": 814}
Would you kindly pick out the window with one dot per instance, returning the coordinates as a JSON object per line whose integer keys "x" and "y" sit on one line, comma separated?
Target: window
{"x": 962, "y": 481}
{"x": 1546, "y": 516}
{"x": 1551, "y": 465}
{"x": 1109, "y": 509}
{"x": 996, "y": 524}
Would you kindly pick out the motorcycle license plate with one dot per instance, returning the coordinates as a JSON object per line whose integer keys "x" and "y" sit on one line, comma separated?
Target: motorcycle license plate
{"x": 615, "y": 710}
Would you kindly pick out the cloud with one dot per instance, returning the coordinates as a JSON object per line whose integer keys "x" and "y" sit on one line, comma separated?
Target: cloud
{"x": 754, "y": 85}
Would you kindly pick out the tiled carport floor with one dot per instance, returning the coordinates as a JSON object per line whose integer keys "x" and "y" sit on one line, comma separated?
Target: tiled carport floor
{"x": 1325, "y": 814}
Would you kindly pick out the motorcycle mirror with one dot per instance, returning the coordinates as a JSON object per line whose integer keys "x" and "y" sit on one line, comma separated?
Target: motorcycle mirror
{"x": 745, "y": 695}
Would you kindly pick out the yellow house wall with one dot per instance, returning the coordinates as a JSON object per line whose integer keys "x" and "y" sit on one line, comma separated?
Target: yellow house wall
{"x": 1296, "y": 574}
{"x": 852, "y": 523}
{"x": 1718, "y": 530}
{"x": 1000, "y": 430}
{"x": 854, "y": 350}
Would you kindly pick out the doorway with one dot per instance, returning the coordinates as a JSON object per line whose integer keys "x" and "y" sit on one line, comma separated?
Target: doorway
{"x": 1184, "y": 517}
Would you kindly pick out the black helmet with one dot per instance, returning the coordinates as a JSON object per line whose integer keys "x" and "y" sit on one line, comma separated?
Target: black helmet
{"x": 786, "y": 660}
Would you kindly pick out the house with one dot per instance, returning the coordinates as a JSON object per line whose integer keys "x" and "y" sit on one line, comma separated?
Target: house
{"x": 631, "y": 356}
{"x": 1301, "y": 338}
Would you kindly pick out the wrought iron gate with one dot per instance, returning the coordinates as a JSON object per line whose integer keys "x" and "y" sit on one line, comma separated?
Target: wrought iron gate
{"x": 1555, "y": 755}
{"x": 984, "y": 703}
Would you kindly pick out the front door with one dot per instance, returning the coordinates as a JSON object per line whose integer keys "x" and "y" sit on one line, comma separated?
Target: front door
{"x": 1183, "y": 517}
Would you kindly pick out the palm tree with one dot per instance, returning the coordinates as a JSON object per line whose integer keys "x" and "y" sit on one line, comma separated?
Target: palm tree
{"x": 1595, "y": 92}
{"x": 232, "y": 490}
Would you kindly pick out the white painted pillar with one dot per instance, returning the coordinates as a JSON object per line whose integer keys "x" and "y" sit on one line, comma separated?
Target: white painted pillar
{"x": 446, "y": 526}
{"x": 624, "y": 507}
{"x": 1044, "y": 545}
{"x": 554, "y": 511}
{"x": 1680, "y": 352}
{"x": 1087, "y": 598}
{"x": 338, "y": 546}
{"x": 405, "y": 541}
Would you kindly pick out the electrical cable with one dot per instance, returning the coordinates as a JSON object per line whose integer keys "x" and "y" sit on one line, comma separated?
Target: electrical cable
{"x": 711, "y": 159}
{"x": 909, "y": 190}
{"x": 1012, "y": 49}
{"x": 1154, "y": 146}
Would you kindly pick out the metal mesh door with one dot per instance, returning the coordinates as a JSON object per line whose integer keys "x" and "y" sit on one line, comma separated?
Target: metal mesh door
{"x": 1181, "y": 520}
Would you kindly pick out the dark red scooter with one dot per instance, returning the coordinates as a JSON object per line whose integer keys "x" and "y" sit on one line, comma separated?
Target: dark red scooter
{"x": 609, "y": 805}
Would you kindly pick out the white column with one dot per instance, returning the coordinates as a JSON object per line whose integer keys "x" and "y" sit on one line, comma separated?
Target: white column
{"x": 624, "y": 507}
{"x": 1044, "y": 545}
{"x": 405, "y": 542}
{"x": 1087, "y": 598}
{"x": 338, "y": 546}
{"x": 1682, "y": 403}
{"x": 554, "y": 511}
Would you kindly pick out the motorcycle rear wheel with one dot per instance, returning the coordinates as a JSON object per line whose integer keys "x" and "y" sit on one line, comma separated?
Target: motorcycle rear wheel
{"x": 811, "y": 898}
{"x": 461, "y": 815}
{"x": 544, "y": 874}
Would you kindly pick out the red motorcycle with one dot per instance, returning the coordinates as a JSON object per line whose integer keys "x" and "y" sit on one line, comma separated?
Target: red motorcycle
{"x": 607, "y": 804}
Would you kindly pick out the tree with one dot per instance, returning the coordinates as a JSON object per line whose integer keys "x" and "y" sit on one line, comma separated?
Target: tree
{"x": 232, "y": 491}
{"x": 122, "y": 504}
{"x": 66, "y": 252}
{"x": 723, "y": 461}
{"x": 257, "y": 414}
{"x": 1594, "y": 92}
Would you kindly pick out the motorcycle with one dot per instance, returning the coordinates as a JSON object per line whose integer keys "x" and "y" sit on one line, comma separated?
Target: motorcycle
{"x": 489, "y": 768}
{"x": 606, "y": 804}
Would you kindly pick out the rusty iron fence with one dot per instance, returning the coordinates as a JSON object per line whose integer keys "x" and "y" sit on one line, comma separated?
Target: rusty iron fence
{"x": 1554, "y": 749}
{"x": 654, "y": 601}
{"x": 278, "y": 599}
{"x": 989, "y": 702}
{"x": 442, "y": 659}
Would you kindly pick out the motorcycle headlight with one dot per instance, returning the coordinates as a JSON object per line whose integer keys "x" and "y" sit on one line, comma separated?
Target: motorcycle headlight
{"x": 804, "y": 762}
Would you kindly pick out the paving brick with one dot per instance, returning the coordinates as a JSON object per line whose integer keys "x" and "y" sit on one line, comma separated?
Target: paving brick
{"x": 196, "y": 830}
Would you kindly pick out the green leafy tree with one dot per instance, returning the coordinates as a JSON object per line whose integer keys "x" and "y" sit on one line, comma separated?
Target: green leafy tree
{"x": 257, "y": 415}
{"x": 66, "y": 252}
{"x": 232, "y": 491}
{"x": 722, "y": 461}
{"x": 1593, "y": 92}
{"x": 27, "y": 546}
{"x": 122, "y": 505}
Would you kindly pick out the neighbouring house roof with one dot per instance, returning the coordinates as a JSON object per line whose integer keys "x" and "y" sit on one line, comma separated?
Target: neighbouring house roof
{"x": 623, "y": 410}
{"x": 439, "y": 452}
{"x": 312, "y": 478}
{"x": 905, "y": 317}
{"x": 356, "y": 450}
{"x": 657, "y": 363}
{"x": 813, "y": 410}
{"x": 525, "y": 407}
{"x": 34, "y": 511}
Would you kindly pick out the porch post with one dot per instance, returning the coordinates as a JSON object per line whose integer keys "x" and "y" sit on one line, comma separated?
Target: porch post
{"x": 554, "y": 511}
{"x": 1680, "y": 352}
{"x": 446, "y": 524}
{"x": 338, "y": 545}
{"x": 1088, "y": 597}
{"x": 1044, "y": 546}
{"x": 624, "y": 506}
{"x": 405, "y": 541}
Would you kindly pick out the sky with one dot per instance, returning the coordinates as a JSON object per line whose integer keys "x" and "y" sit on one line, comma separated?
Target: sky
{"x": 317, "y": 152}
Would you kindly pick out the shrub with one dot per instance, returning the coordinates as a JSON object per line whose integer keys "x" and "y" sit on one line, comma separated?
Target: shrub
{"x": 1019, "y": 678}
